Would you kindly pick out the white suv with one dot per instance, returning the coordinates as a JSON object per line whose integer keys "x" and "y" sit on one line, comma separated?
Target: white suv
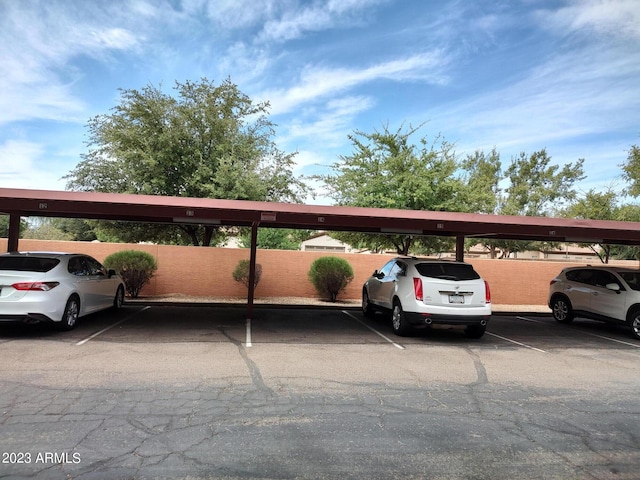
{"x": 610, "y": 294}
{"x": 424, "y": 292}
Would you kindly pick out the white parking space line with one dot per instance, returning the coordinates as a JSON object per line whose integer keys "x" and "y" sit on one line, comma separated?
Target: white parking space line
{"x": 529, "y": 320}
{"x": 517, "y": 343}
{"x": 590, "y": 334}
{"x": 248, "y": 340}
{"x": 612, "y": 339}
{"x": 106, "y": 329}
{"x": 374, "y": 330}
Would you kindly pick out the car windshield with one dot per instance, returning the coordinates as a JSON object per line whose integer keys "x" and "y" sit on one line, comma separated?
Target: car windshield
{"x": 28, "y": 264}
{"x": 447, "y": 271}
{"x": 632, "y": 279}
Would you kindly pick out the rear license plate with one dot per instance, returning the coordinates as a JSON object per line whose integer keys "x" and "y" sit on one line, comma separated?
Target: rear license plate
{"x": 456, "y": 298}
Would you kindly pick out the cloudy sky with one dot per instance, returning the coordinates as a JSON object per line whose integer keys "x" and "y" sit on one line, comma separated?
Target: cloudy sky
{"x": 515, "y": 75}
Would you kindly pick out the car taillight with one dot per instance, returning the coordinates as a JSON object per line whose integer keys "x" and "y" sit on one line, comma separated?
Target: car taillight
{"x": 417, "y": 287}
{"x": 553, "y": 281}
{"x": 40, "y": 286}
{"x": 487, "y": 292}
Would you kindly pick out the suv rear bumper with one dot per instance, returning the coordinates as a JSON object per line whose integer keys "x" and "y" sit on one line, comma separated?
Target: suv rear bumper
{"x": 417, "y": 318}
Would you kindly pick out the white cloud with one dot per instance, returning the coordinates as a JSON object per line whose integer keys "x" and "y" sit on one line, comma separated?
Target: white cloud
{"x": 329, "y": 126}
{"x": 18, "y": 161}
{"x": 607, "y": 17}
{"x": 295, "y": 21}
{"x": 318, "y": 83}
{"x": 40, "y": 40}
{"x": 562, "y": 98}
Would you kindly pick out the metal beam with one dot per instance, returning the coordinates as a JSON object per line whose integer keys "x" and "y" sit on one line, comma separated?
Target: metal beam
{"x": 14, "y": 232}
{"x": 460, "y": 248}
{"x": 252, "y": 269}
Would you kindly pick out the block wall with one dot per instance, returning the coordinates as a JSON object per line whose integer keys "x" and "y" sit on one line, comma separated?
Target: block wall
{"x": 207, "y": 271}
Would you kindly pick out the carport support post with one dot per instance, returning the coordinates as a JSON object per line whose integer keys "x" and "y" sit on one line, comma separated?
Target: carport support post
{"x": 252, "y": 269}
{"x": 460, "y": 248}
{"x": 14, "y": 232}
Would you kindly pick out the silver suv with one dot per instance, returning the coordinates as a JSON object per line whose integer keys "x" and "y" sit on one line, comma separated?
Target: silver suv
{"x": 424, "y": 292}
{"x": 610, "y": 294}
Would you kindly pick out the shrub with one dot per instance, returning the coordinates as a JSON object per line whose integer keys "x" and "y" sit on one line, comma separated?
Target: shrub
{"x": 136, "y": 269}
{"x": 241, "y": 273}
{"x": 330, "y": 275}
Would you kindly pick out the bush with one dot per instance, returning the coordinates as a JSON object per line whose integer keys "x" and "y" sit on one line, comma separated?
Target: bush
{"x": 241, "y": 273}
{"x": 330, "y": 275}
{"x": 136, "y": 269}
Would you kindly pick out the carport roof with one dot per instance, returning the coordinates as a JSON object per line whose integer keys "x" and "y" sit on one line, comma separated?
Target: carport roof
{"x": 183, "y": 210}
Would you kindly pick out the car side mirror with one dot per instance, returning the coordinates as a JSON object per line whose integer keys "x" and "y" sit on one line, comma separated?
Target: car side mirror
{"x": 613, "y": 286}
{"x": 111, "y": 273}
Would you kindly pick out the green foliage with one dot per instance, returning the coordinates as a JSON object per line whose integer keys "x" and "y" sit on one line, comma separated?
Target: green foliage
{"x": 481, "y": 176}
{"x": 330, "y": 275}
{"x": 78, "y": 229}
{"x": 207, "y": 141}
{"x": 387, "y": 171}
{"x": 135, "y": 267}
{"x": 631, "y": 170}
{"x": 275, "y": 238}
{"x": 530, "y": 186}
{"x": 241, "y": 273}
{"x": 604, "y": 206}
{"x": 4, "y": 226}
{"x": 537, "y": 188}
{"x": 46, "y": 229}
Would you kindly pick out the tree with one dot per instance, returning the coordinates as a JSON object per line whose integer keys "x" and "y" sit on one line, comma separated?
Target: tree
{"x": 386, "y": 170}
{"x": 207, "y": 141}
{"x": 46, "y": 229}
{"x": 532, "y": 187}
{"x": 4, "y": 226}
{"x": 597, "y": 206}
{"x": 631, "y": 170}
{"x": 482, "y": 174}
{"x": 275, "y": 238}
{"x": 70, "y": 229}
{"x": 537, "y": 188}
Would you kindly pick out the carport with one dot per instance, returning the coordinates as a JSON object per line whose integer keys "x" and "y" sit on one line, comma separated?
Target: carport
{"x": 18, "y": 203}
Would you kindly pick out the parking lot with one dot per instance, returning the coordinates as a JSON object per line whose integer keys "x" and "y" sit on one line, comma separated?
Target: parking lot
{"x": 186, "y": 391}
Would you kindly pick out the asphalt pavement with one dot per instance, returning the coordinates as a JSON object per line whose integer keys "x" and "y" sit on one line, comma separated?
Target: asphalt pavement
{"x": 199, "y": 392}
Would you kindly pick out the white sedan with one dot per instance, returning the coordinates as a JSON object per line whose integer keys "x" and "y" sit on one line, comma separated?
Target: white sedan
{"x": 55, "y": 287}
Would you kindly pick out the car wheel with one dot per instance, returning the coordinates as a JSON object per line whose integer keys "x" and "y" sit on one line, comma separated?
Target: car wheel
{"x": 561, "y": 309}
{"x": 634, "y": 323}
{"x": 70, "y": 315}
{"x": 398, "y": 320}
{"x": 118, "y": 300}
{"x": 475, "y": 331}
{"x": 367, "y": 308}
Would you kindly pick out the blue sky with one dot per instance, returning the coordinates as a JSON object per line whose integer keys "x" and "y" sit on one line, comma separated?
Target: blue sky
{"x": 515, "y": 75}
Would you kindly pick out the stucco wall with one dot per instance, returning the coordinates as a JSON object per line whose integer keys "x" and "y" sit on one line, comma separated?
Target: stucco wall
{"x": 207, "y": 271}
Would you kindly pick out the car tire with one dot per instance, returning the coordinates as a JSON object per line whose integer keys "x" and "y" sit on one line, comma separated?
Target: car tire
{"x": 561, "y": 309}
{"x": 367, "y": 308}
{"x": 634, "y": 322}
{"x": 398, "y": 320}
{"x": 70, "y": 315}
{"x": 475, "y": 331}
{"x": 118, "y": 300}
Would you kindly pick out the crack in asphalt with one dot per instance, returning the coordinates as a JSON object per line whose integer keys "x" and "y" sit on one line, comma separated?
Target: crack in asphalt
{"x": 254, "y": 370}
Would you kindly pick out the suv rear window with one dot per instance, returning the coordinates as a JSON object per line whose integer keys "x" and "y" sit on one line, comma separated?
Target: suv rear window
{"x": 447, "y": 271}
{"x": 28, "y": 264}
